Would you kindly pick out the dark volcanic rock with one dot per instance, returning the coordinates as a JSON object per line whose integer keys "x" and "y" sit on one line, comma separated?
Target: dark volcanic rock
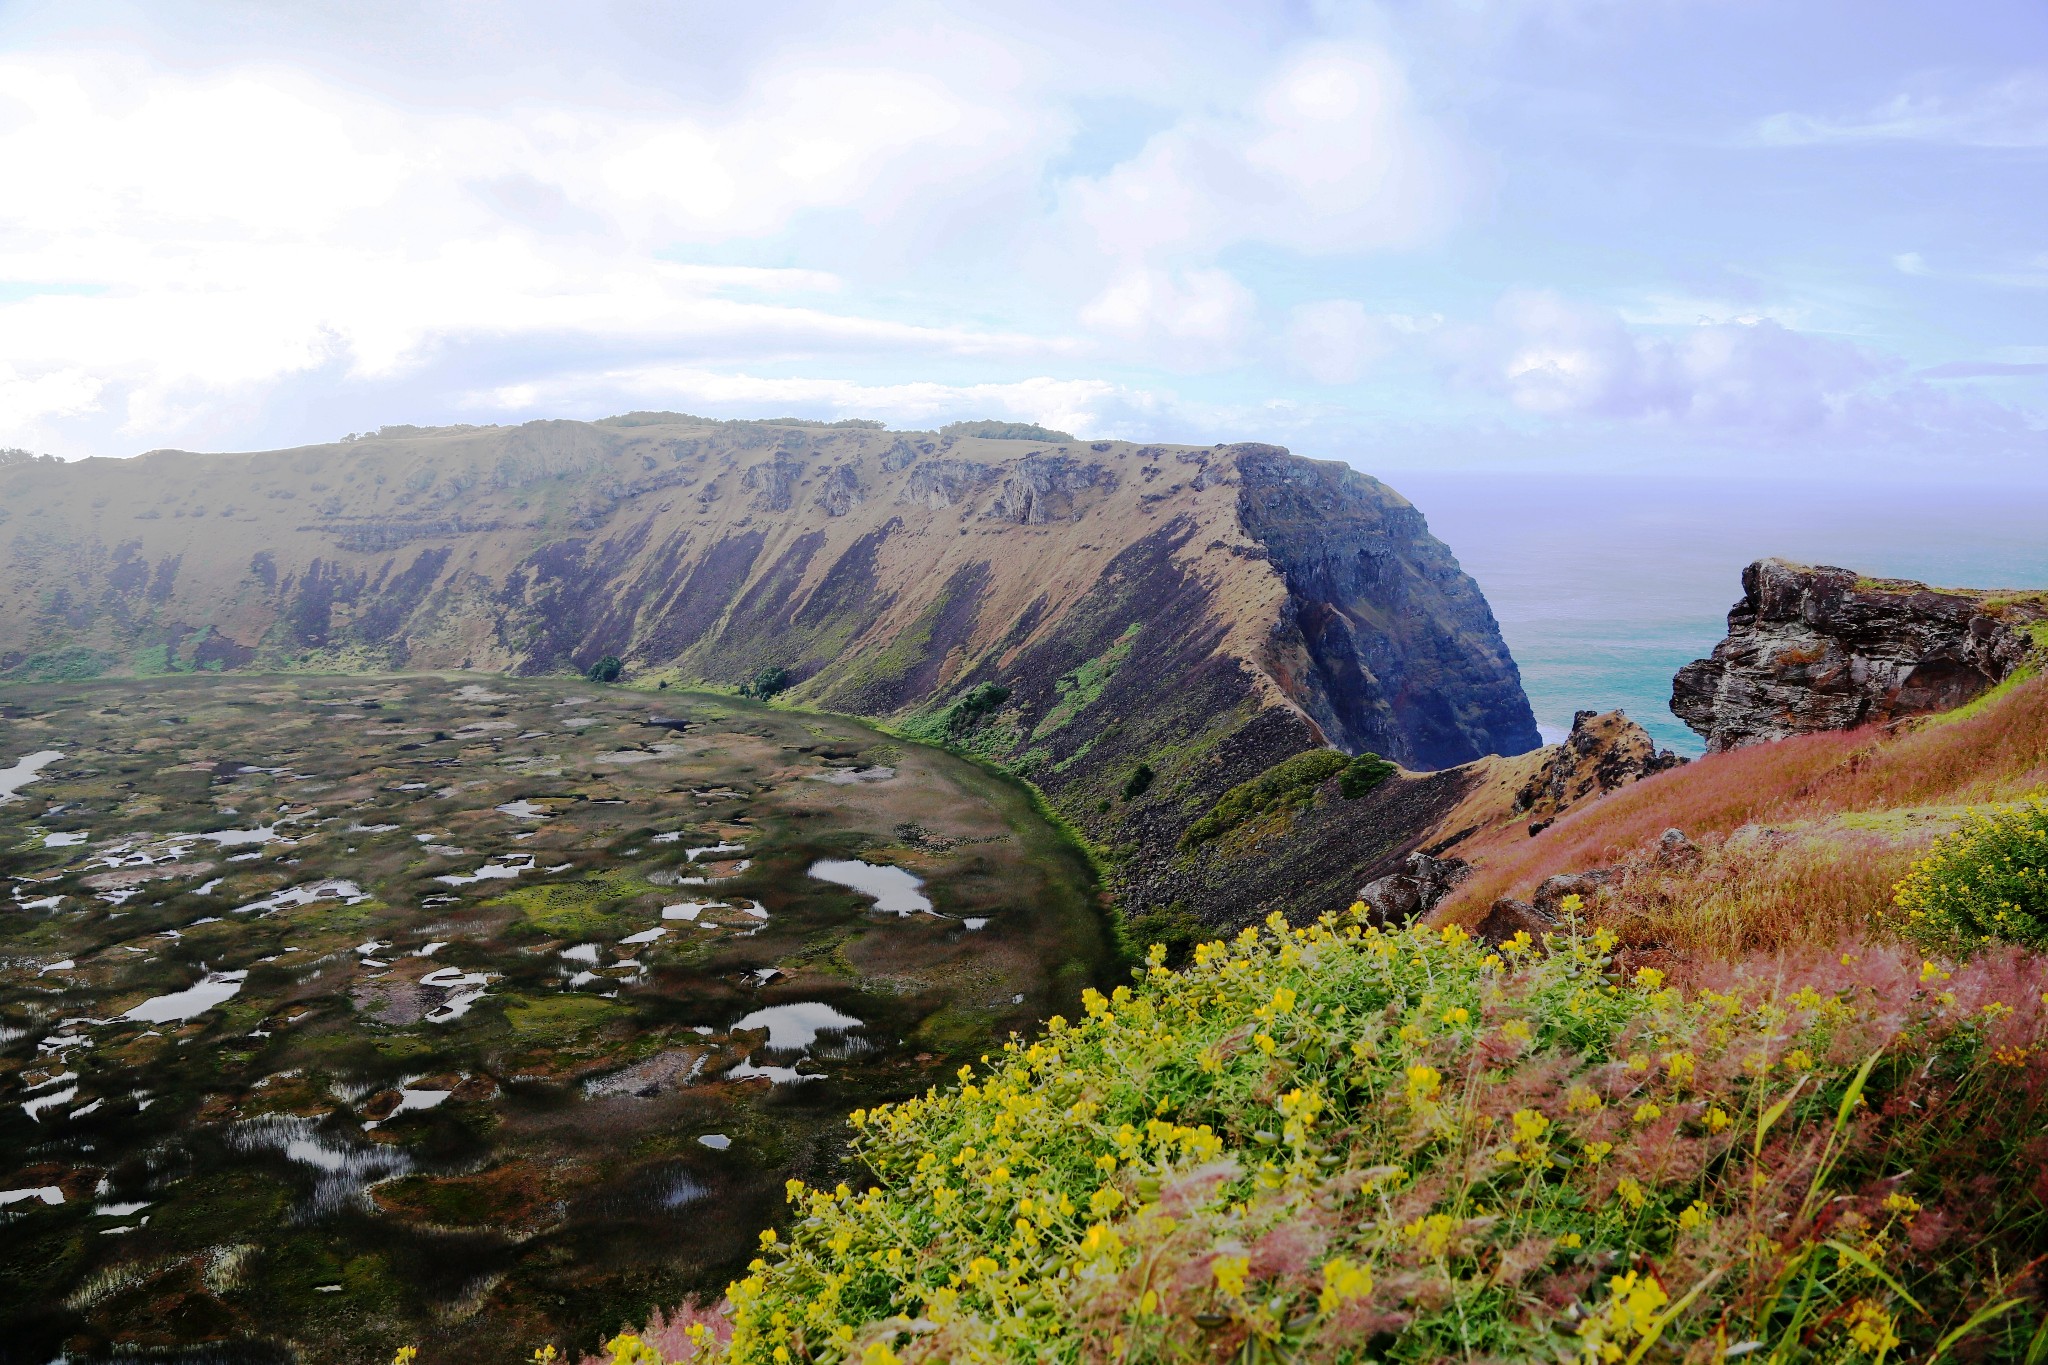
{"x": 1386, "y": 641}
{"x": 1415, "y": 890}
{"x": 1817, "y": 648}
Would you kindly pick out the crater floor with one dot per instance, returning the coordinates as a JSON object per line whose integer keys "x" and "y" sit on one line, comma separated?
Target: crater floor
{"x": 337, "y": 1013}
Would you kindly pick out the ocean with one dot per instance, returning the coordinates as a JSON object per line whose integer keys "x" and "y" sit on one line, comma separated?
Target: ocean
{"x": 1605, "y": 585}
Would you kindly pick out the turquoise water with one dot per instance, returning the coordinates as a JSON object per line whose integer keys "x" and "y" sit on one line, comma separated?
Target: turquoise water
{"x": 1604, "y": 586}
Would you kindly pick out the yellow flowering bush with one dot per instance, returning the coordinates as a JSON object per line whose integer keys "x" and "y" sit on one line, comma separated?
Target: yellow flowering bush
{"x": 1985, "y": 883}
{"x": 1340, "y": 1143}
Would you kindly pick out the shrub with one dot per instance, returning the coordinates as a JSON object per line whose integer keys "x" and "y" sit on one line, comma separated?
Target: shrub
{"x": 606, "y": 670}
{"x": 1987, "y": 882}
{"x": 767, "y": 683}
{"x": 1138, "y": 782}
{"x": 1362, "y": 774}
{"x": 978, "y": 701}
{"x": 1288, "y": 785}
{"x": 1345, "y": 1144}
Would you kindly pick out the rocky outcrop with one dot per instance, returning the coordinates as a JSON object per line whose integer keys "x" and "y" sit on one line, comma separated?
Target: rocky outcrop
{"x": 1415, "y": 890}
{"x": 1817, "y": 648}
{"x": 1605, "y": 751}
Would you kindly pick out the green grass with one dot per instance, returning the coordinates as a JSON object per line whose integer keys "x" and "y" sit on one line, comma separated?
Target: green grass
{"x": 579, "y": 909}
{"x": 1287, "y": 786}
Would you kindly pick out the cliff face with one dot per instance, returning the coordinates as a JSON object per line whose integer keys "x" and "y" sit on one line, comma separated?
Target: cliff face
{"x": 1198, "y": 611}
{"x": 1818, "y": 648}
{"x": 1384, "y": 639}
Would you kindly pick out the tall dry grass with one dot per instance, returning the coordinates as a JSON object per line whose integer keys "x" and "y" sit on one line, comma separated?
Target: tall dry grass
{"x": 1994, "y": 752}
{"x": 1761, "y": 891}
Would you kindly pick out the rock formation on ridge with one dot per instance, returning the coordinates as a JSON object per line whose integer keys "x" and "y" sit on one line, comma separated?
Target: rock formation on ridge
{"x": 1819, "y": 648}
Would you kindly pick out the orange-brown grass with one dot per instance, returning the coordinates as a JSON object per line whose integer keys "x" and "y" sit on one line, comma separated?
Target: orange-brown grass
{"x": 1822, "y": 878}
{"x": 1761, "y": 891}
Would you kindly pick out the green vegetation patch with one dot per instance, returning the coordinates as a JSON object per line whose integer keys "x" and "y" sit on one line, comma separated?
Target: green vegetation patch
{"x": 1362, "y": 774}
{"x": 1986, "y": 883}
{"x": 1339, "y": 1144}
{"x": 1080, "y": 688}
{"x": 557, "y": 1020}
{"x": 579, "y": 909}
{"x": 75, "y": 663}
{"x": 1288, "y": 785}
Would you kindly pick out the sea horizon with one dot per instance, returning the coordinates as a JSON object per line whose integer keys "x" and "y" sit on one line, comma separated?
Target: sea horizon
{"x": 1605, "y": 584}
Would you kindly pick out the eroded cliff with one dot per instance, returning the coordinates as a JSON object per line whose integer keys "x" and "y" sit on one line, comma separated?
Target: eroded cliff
{"x": 1082, "y": 612}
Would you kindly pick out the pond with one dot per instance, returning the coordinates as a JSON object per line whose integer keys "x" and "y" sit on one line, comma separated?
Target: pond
{"x": 894, "y": 890}
{"x": 479, "y": 1043}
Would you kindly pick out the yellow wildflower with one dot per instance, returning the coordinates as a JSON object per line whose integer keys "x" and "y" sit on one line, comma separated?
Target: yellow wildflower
{"x": 1230, "y": 1272}
{"x": 1343, "y": 1281}
{"x": 1631, "y": 1192}
{"x": 1423, "y": 1084}
{"x": 1432, "y": 1234}
{"x": 1870, "y": 1328}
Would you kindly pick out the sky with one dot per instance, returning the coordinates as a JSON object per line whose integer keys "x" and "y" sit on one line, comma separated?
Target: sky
{"x": 1647, "y": 236}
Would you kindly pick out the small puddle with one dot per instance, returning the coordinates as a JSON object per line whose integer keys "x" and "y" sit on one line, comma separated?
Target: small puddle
{"x": 894, "y": 890}
{"x": 794, "y": 1027}
{"x": 23, "y": 772}
{"x": 293, "y": 897}
{"x": 847, "y": 777}
{"x": 242, "y": 838}
{"x": 341, "y": 1172}
{"x": 215, "y": 989}
{"x": 501, "y": 870}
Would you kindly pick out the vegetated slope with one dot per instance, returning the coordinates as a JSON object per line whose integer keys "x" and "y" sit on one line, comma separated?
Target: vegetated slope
{"x": 1342, "y": 1145}
{"x": 1795, "y": 840}
{"x": 1074, "y": 611}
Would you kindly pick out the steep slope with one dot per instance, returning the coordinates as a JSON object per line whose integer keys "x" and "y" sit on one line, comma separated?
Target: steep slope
{"x": 1080, "y": 612}
{"x": 1819, "y": 648}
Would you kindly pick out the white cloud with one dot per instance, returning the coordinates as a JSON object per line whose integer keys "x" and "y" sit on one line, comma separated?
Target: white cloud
{"x": 2011, "y": 113}
{"x": 201, "y": 237}
{"x": 1329, "y": 155}
{"x": 1909, "y": 263}
{"x": 1193, "y": 318}
{"x": 1337, "y": 341}
{"x": 1086, "y": 407}
{"x": 27, "y": 401}
{"x": 1571, "y": 362}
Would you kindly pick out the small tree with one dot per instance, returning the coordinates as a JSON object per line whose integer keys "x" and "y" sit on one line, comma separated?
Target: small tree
{"x": 767, "y": 682}
{"x": 606, "y": 670}
{"x": 1136, "y": 784}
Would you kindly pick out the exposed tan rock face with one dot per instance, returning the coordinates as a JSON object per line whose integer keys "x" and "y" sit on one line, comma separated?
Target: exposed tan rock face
{"x": 1818, "y": 648}
{"x": 1204, "y": 610}
{"x": 1605, "y": 751}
